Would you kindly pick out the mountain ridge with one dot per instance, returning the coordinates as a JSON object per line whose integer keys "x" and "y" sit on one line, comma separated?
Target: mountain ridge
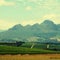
{"x": 46, "y": 29}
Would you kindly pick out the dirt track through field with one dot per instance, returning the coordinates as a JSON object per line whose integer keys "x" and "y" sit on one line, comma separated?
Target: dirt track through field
{"x": 31, "y": 57}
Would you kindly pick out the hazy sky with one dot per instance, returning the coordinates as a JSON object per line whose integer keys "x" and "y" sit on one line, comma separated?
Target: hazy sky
{"x": 28, "y": 12}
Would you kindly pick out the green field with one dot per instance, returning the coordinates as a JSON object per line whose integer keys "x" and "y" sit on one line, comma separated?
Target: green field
{"x": 24, "y": 50}
{"x": 42, "y": 46}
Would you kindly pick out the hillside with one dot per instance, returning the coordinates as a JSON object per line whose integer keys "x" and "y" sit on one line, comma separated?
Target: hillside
{"x": 43, "y": 31}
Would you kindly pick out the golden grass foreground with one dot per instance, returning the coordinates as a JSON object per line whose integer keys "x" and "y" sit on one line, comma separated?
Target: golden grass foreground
{"x": 31, "y": 57}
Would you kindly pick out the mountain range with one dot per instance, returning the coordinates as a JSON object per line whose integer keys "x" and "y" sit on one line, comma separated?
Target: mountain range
{"x": 36, "y": 32}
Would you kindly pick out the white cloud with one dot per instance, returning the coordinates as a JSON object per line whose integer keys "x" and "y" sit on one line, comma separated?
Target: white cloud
{"x": 32, "y": 0}
{"x": 28, "y": 0}
{"x": 28, "y": 8}
{"x": 53, "y": 17}
{"x": 31, "y": 22}
{"x": 50, "y": 16}
{"x": 20, "y": 0}
{"x": 5, "y": 3}
{"x": 6, "y": 24}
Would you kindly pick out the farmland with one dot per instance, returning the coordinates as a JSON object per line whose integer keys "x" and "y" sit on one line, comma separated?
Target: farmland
{"x": 24, "y": 50}
{"x": 26, "y": 53}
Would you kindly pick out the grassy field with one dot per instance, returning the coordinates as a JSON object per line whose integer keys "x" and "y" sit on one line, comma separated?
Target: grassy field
{"x": 42, "y": 46}
{"x": 24, "y": 50}
{"x": 31, "y": 57}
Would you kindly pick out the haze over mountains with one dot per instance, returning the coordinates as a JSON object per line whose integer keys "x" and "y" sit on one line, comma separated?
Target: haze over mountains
{"x": 37, "y": 32}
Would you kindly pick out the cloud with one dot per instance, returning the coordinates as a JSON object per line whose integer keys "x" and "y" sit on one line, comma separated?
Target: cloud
{"x": 50, "y": 16}
{"x": 49, "y": 4}
{"x": 31, "y": 22}
{"x": 53, "y": 17}
{"x": 28, "y": 8}
{"x": 6, "y": 24}
{"x": 5, "y": 3}
{"x": 20, "y": 0}
{"x": 28, "y": 0}
{"x": 33, "y": 0}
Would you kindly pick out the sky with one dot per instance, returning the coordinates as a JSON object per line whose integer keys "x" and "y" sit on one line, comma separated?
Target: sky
{"x": 25, "y": 12}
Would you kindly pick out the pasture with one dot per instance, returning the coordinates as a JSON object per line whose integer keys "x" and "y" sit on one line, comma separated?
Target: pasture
{"x": 24, "y": 50}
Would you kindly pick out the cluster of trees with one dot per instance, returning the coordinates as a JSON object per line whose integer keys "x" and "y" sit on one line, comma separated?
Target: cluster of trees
{"x": 17, "y": 43}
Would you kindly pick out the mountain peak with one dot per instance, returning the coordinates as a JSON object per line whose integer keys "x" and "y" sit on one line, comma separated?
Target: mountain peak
{"x": 36, "y": 24}
{"x": 48, "y": 22}
{"x": 17, "y": 26}
{"x": 48, "y": 25}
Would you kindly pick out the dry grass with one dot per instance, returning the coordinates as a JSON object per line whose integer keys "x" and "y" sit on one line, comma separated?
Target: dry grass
{"x": 31, "y": 57}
